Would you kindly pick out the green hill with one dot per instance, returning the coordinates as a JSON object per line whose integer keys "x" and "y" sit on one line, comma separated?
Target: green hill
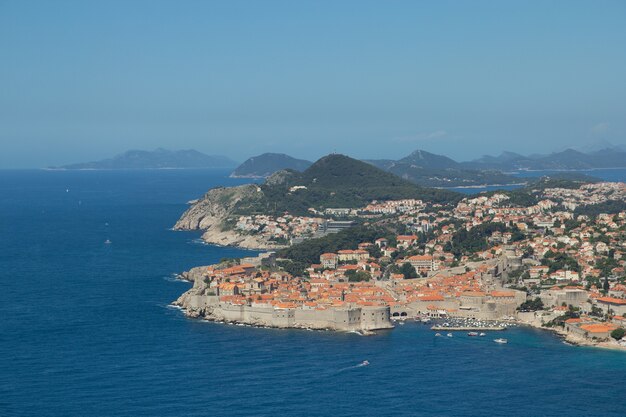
{"x": 336, "y": 181}
{"x": 432, "y": 170}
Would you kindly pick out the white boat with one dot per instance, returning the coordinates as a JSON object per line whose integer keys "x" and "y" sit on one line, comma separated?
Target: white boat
{"x": 482, "y": 334}
{"x": 107, "y": 242}
{"x": 365, "y": 363}
{"x": 449, "y": 335}
{"x": 438, "y": 334}
{"x": 501, "y": 341}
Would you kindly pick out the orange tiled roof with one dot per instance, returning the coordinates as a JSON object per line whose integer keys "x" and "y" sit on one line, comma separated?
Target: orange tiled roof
{"x": 598, "y": 327}
{"x": 612, "y": 300}
{"x": 502, "y": 294}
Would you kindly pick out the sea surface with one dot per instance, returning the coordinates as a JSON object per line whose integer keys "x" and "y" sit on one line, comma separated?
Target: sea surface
{"x": 86, "y": 328}
{"x": 608, "y": 174}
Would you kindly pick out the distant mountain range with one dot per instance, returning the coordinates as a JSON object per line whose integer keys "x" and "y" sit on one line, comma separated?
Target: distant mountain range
{"x": 157, "y": 159}
{"x": 569, "y": 159}
{"x": 420, "y": 167}
{"x": 264, "y": 165}
{"x": 432, "y": 170}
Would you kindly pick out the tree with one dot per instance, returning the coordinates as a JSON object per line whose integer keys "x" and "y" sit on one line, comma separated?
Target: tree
{"x": 596, "y": 311}
{"x": 408, "y": 271}
{"x": 531, "y": 305}
{"x": 357, "y": 276}
{"x": 605, "y": 286}
{"x": 618, "y": 333}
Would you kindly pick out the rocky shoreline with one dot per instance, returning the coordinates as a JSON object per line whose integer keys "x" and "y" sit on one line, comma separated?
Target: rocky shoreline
{"x": 210, "y": 213}
{"x": 217, "y": 237}
{"x": 573, "y": 339}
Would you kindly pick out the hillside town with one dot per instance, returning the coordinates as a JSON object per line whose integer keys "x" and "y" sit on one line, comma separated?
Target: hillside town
{"x": 486, "y": 259}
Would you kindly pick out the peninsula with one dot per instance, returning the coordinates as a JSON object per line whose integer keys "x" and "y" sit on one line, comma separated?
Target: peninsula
{"x": 356, "y": 248}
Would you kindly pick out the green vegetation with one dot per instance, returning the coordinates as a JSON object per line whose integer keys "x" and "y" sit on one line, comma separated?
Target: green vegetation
{"x": 531, "y": 305}
{"x": 357, "y": 276}
{"x": 609, "y": 207}
{"x": 337, "y": 181}
{"x": 450, "y": 177}
{"x": 618, "y": 333}
{"x": 572, "y": 313}
{"x": 606, "y": 265}
{"x": 408, "y": 271}
{"x": 308, "y": 252}
{"x": 596, "y": 311}
{"x": 474, "y": 240}
{"x": 569, "y": 180}
{"x": 557, "y": 260}
{"x": 293, "y": 267}
{"x": 521, "y": 197}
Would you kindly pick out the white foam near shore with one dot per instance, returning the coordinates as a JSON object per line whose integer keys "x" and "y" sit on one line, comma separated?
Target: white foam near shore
{"x": 174, "y": 278}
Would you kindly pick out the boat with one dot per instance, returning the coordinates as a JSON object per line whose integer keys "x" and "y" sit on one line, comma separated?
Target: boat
{"x": 501, "y": 341}
{"x": 482, "y": 334}
{"x": 107, "y": 242}
{"x": 438, "y": 334}
{"x": 472, "y": 334}
{"x": 365, "y": 363}
{"x": 449, "y": 335}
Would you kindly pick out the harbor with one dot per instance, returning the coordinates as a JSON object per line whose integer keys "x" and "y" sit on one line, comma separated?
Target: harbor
{"x": 467, "y": 328}
{"x": 471, "y": 325}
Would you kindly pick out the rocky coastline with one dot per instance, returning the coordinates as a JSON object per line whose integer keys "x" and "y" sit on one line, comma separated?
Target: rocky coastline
{"x": 210, "y": 213}
{"x": 572, "y": 339}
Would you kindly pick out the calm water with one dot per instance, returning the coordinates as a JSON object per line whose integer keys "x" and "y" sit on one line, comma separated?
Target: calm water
{"x": 618, "y": 174}
{"x": 85, "y": 329}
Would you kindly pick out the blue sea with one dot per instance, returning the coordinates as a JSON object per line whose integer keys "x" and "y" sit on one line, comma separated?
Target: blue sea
{"x": 609, "y": 174}
{"x": 86, "y": 328}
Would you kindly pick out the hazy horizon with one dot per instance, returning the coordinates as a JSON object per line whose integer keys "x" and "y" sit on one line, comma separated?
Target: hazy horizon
{"x": 86, "y": 81}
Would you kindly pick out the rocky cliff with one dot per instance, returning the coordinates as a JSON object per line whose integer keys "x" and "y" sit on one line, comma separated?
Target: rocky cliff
{"x": 198, "y": 301}
{"x": 211, "y": 212}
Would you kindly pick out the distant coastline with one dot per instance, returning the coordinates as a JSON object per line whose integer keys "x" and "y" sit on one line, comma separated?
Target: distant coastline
{"x": 562, "y": 170}
{"x": 137, "y": 169}
{"x": 483, "y": 186}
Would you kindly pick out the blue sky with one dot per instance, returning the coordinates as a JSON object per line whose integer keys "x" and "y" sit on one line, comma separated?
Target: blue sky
{"x": 83, "y": 80}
